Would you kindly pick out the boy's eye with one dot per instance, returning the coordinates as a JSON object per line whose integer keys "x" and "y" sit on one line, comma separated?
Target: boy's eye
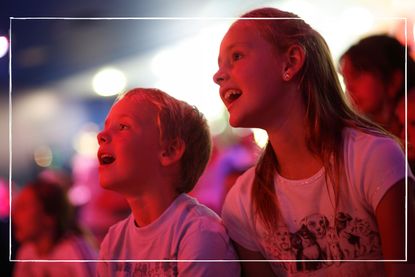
{"x": 236, "y": 56}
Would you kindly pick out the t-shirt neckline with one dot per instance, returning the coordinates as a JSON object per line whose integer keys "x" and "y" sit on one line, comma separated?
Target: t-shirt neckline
{"x": 282, "y": 180}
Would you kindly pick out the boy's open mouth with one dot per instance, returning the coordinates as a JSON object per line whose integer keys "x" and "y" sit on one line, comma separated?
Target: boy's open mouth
{"x": 105, "y": 159}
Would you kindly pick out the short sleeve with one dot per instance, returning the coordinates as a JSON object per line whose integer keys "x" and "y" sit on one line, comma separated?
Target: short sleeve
{"x": 380, "y": 164}
{"x": 102, "y": 269}
{"x": 236, "y": 213}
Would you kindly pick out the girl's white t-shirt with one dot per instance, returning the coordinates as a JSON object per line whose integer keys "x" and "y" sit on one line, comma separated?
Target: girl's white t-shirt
{"x": 311, "y": 228}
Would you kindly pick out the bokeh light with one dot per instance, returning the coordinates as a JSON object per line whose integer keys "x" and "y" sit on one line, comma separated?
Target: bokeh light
{"x": 43, "y": 156}
{"x": 109, "y": 81}
{"x": 4, "y": 46}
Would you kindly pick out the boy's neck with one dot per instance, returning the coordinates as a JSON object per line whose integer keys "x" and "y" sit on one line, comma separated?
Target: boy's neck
{"x": 150, "y": 206}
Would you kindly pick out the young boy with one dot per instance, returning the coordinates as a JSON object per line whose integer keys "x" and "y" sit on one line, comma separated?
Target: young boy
{"x": 152, "y": 150}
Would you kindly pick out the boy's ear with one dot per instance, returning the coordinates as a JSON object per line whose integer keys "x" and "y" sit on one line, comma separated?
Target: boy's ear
{"x": 294, "y": 61}
{"x": 172, "y": 152}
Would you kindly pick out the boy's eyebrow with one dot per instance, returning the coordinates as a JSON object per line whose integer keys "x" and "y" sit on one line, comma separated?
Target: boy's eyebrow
{"x": 121, "y": 116}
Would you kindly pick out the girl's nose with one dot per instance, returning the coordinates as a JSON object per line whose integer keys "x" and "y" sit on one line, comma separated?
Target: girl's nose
{"x": 103, "y": 137}
{"x": 219, "y": 76}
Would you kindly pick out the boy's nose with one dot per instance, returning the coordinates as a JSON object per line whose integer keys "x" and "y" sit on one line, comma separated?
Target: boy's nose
{"x": 102, "y": 137}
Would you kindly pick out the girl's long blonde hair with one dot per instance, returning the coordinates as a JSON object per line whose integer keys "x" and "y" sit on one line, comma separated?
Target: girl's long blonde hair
{"x": 327, "y": 111}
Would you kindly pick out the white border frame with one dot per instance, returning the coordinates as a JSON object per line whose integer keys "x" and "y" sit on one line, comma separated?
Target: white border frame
{"x": 191, "y": 19}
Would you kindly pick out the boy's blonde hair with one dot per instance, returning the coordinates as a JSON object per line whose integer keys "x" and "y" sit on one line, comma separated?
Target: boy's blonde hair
{"x": 178, "y": 120}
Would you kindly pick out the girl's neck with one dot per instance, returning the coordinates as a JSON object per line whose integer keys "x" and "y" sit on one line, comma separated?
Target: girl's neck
{"x": 295, "y": 160}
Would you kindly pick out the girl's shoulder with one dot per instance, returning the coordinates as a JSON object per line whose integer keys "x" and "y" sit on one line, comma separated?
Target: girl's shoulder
{"x": 243, "y": 184}
{"x": 359, "y": 140}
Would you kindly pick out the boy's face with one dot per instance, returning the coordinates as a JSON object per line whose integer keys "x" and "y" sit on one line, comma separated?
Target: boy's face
{"x": 129, "y": 147}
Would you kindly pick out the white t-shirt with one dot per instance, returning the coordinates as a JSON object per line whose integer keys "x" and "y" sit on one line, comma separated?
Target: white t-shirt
{"x": 187, "y": 230}
{"x": 71, "y": 248}
{"x": 310, "y": 229}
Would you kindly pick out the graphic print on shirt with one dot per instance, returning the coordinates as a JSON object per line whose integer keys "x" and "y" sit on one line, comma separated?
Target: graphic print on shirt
{"x": 318, "y": 238}
{"x": 148, "y": 269}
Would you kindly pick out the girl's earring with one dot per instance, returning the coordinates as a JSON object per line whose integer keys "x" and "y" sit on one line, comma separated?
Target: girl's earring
{"x": 286, "y": 76}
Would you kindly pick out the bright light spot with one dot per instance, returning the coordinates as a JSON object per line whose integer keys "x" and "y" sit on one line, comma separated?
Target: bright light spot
{"x": 303, "y": 9}
{"x": 39, "y": 105}
{"x": 43, "y": 156}
{"x": 217, "y": 127}
{"x": 241, "y": 132}
{"x": 341, "y": 79}
{"x": 356, "y": 21}
{"x": 4, "y": 198}
{"x": 109, "y": 81}
{"x": 260, "y": 137}
{"x": 185, "y": 71}
{"x": 85, "y": 142}
{"x": 79, "y": 195}
{"x": 4, "y": 46}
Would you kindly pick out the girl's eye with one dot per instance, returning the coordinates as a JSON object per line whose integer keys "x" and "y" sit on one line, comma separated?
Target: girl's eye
{"x": 236, "y": 56}
{"x": 123, "y": 126}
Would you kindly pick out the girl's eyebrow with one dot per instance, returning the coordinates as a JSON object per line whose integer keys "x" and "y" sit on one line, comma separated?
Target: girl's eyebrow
{"x": 233, "y": 45}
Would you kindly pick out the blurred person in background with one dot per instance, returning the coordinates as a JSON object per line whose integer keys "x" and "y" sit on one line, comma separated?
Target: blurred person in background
{"x": 98, "y": 209}
{"x": 46, "y": 227}
{"x": 410, "y": 118}
{"x": 374, "y": 74}
{"x": 6, "y": 267}
{"x": 225, "y": 166}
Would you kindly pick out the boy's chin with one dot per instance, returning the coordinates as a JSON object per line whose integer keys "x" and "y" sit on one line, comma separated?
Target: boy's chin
{"x": 105, "y": 184}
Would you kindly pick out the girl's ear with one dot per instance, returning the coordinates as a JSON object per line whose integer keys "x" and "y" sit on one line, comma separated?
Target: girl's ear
{"x": 172, "y": 152}
{"x": 294, "y": 61}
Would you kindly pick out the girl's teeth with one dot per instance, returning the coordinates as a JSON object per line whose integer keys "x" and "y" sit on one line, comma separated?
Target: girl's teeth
{"x": 232, "y": 94}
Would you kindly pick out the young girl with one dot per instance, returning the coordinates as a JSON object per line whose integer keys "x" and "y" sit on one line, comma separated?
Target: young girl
{"x": 330, "y": 185}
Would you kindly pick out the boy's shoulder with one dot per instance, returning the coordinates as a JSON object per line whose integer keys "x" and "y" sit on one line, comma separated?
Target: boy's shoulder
{"x": 184, "y": 221}
{"x": 190, "y": 211}
{"x": 184, "y": 213}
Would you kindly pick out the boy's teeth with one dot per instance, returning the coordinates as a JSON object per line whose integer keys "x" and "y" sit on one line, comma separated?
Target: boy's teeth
{"x": 107, "y": 159}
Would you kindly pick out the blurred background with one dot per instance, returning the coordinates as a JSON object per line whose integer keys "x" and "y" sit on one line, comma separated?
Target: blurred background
{"x": 62, "y": 62}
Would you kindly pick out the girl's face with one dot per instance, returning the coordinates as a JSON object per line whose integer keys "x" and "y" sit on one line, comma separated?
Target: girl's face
{"x": 365, "y": 88}
{"x": 129, "y": 147}
{"x": 29, "y": 218}
{"x": 250, "y": 78}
